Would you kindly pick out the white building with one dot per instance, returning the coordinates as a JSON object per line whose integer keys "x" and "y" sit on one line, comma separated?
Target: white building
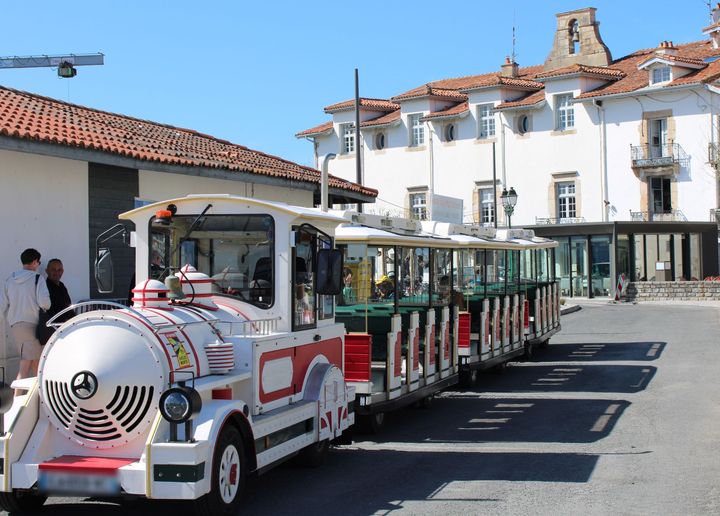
{"x": 582, "y": 138}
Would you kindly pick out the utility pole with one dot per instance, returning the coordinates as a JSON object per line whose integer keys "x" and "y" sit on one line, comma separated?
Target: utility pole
{"x": 358, "y": 163}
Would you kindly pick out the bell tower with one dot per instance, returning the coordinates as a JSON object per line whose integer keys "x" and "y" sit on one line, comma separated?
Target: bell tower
{"x": 578, "y": 41}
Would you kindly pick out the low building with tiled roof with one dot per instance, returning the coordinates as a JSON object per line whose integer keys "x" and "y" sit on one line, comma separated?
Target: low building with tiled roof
{"x": 67, "y": 171}
{"x": 583, "y": 137}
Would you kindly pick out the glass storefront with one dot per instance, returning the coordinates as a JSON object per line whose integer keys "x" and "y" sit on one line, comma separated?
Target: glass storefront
{"x": 591, "y": 257}
{"x": 600, "y": 265}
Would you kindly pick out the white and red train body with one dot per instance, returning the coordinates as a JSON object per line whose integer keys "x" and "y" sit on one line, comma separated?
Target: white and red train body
{"x": 269, "y": 387}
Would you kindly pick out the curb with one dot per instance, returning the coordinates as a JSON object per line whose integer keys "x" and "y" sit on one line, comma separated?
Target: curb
{"x": 570, "y": 309}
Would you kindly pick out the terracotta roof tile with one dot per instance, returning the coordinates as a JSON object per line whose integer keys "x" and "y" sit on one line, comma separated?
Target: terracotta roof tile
{"x": 449, "y": 112}
{"x": 674, "y": 59}
{"x": 426, "y": 90}
{"x": 371, "y": 104}
{"x": 527, "y": 101}
{"x": 388, "y": 119}
{"x": 33, "y": 117}
{"x": 318, "y": 129}
{"x": 487, "y": 79}
{"x": 635, "y": 79}
{"x": 598, "y": 71}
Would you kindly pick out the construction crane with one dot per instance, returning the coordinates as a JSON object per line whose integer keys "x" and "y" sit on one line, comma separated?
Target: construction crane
{"x": 65, "y": 63}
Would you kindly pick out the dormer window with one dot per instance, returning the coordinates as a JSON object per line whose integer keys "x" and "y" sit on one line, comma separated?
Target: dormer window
{"x": 660, "y": 74}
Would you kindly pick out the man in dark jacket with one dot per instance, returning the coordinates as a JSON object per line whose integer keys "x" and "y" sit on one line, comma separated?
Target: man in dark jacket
{"x": 59, "y": 297}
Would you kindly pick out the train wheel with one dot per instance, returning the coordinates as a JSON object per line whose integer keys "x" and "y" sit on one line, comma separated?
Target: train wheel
{"x": 314, "y": 455}
{"x": 229, "y": 474}
{"x": 370, "y": 423}
{"x": 529, "y": 348}
{"x": 544, "y": 344}
{"x": 425, "y": 403}
{"x": 468, "y": 378}
{"x": 500, "y": 368}
{"x": 19, "y": 501}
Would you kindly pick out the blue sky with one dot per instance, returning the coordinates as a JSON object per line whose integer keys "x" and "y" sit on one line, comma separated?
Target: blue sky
{"x": 255, "y": 73}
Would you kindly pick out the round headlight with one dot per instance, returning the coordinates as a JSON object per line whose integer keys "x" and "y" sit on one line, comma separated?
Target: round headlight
{"x": 178, "y": 404}
{"x": 175, "y": 407}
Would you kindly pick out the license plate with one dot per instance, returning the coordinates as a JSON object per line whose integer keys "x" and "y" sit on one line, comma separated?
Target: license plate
{"x": 79, "y": 484}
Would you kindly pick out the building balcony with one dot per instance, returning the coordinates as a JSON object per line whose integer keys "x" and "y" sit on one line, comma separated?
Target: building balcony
{"x": 558, "y": 220}
{"x": 649, "y": 216}
{"x": 657, "y": 160}
{"x": 714, "y": 155}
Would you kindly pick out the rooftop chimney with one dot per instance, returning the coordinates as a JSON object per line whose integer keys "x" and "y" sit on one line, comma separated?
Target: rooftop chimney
{"x": 666, "y": 48}
{"x": 509, "y": 68}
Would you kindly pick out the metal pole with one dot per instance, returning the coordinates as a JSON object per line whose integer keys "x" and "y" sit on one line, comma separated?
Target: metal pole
{"x": 494, "y": 185}
{"x": 324, "y": 181}
{"x": 358, "y": 164}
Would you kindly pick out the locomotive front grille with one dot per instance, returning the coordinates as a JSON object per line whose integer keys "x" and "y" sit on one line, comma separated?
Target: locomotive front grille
{"x": 125, "y": 412}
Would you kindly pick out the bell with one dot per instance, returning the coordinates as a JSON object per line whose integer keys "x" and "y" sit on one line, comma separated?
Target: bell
{"x": 175, "y": 289}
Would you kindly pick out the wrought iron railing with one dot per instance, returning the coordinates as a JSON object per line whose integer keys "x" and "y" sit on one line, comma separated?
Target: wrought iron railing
{"x": 667, "y": 154}
{"x": 649, "y": 216}
{"x": 558, "y": 220}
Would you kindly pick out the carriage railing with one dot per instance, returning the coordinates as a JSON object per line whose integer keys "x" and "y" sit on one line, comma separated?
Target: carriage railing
{"x": 248, "y": 328}
{"x": 252, "y": 327}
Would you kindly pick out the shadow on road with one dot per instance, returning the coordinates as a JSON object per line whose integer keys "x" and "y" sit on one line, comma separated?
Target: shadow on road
{"x": 601, "y": 351}
{"x": 460, "y": 417}
{"x": 533, "y": 377}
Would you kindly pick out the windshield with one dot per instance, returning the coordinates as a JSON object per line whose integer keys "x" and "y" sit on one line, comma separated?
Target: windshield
{"x": 236, "y": 251}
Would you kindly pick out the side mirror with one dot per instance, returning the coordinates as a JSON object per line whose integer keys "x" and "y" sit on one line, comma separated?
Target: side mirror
{"x": 104, "y": 274}
{"x": 329, "y": 272}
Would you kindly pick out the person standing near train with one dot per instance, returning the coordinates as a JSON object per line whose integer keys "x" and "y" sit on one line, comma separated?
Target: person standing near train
{"x": 59, "y": 296}
{"x": 23, "y": 295}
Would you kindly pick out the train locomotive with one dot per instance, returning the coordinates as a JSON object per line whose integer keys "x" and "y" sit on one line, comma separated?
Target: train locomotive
{"x": 185, "y": 393}
{"x": 259, "y": 331}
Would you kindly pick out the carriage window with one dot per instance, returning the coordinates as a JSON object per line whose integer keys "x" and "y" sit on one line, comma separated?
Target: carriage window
{"x": 159, "y": 251}
{"x": 415, "y": 275}
{"x": 496, "y": 271}
{"x": 442, "y": 269}
{"x": 303, "y": 276}
{"x": 236, "y": 251}
{"x": 527, "y": 268}
{"x": 542, "y": 265}
{"x": 513, "y": 270}
{"x": 326, "y": 304}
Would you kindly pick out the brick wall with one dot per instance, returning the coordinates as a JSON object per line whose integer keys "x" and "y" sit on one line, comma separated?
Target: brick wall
{"x": 673, "y": 290}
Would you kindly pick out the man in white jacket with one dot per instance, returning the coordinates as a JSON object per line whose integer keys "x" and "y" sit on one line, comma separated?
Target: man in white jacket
{"x": 22, "y": 296}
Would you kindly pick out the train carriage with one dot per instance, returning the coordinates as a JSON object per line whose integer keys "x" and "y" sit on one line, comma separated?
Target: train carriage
{"x": 398, "y": 314}
{"x": 231, "y": 365}
{"x": 426, "y": 301}
{"x": 504, "y": 278}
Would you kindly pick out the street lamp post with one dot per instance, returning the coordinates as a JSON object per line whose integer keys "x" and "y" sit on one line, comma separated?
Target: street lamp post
{"x": 509, "y": 200}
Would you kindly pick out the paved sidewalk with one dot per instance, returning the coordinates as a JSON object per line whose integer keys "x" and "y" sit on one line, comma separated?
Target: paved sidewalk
{"x": 574, "y": 304}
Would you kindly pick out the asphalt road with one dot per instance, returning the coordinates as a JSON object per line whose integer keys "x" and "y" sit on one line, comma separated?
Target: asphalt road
{"x": 620, "y": 415}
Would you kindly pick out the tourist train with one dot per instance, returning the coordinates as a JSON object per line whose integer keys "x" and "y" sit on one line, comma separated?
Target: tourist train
{"x": 259, "y": 331}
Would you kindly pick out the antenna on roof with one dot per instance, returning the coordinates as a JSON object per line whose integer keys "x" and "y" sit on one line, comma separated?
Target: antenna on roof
{"x": 512, "y": 56}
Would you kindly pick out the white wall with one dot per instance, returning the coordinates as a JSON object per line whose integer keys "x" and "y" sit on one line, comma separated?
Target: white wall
{"x": 44, "y": 204}
{"x": 157, "y": 186}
